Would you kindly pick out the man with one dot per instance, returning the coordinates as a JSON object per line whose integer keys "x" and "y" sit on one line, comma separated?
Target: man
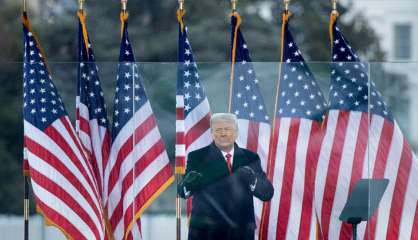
{"x": 223, "y": 178}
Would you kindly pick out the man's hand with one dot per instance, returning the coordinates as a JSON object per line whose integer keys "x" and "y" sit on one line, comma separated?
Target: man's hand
{"x": 249, "y": 176}
{"x": 192, "y": 179}
{"x": 189, "y": 183}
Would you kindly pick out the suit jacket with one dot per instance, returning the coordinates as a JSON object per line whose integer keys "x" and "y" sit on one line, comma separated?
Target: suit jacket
{"x": 223, "y": 200}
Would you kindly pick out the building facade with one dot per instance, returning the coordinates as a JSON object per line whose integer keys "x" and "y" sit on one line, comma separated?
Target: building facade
{"x": 396, "y": 24}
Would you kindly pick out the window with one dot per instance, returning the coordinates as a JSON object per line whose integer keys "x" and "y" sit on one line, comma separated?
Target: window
{"x": 402, "y": 41}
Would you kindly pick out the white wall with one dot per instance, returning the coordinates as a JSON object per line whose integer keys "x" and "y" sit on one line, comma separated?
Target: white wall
{"x": 158, "y": 227}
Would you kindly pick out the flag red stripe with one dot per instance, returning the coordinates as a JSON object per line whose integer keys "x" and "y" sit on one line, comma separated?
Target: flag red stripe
{"x": 197, "y": 130}
{"x": 265, "y": 215}
{"x": 357, "y": 168}
{"x": 288, "y": 176}
{"x": 180, "y": 138}
{"x": 398, "y": 196}
{"x": 84, "y": 125}
{"x": 105, "y": 150}
{"x": 96, "y": 171}
{"x": 180, "y": 161}
{"x": 63, "y": 195}
{"x": 379, "y": 169}
{"x": 180, "y": 113}
{"x": 314, "y": 147}
{"x": 58, "y": 219}
{"x": 127, "y": 147}
{"x": 252, "y": 137}
{"x": 333, "y": 171}
{"x": 52, "y": 160}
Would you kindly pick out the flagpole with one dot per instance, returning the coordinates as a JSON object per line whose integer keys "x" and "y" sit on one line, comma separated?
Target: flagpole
{"x": 178, "y": 174}
{"x": 25, "y": 178}
{"x": 26, "y": 207}
{"x": 233, "y": 54}
{"x": 270, "y": 168}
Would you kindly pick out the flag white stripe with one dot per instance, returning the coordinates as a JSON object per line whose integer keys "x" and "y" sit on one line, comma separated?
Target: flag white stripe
{"x": 179, "y": 125}
{"x": 242, "y": 139}
{"x": 97, "y": 134}
{"x": 298, "y": 179}
{"x": 180, "y": 150}
{"x": 179, "y": 101}
{"x": 263, "y": 144}
{"x": 312, "y": 231}
{"x": 278, "y": 175}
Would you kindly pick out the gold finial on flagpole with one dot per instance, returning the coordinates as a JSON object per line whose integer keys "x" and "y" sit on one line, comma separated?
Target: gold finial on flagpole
{"x": 124, "y": 3}
{"x": 181, "y": 5}
{"x": 334, "y": 7}
{"x": 286, "y": 5}
{"x": 81, "y": 5}
{"x": 234, "y": 5}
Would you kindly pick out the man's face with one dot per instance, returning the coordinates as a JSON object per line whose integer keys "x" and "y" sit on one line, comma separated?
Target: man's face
{"x": 224, "y": 134}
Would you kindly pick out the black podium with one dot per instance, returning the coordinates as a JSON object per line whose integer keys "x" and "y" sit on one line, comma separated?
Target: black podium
{"x": 363, "y": 202}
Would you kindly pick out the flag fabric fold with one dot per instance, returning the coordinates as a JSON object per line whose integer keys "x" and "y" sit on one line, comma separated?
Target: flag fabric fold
{"x": 295, "y": 145}
{"x": 247, "y": 104}
{"x": 363, "y": 140}
{"x": 138, "y": 169}
{"x": 65, "y": 188}
{"x": 91, "y": 115}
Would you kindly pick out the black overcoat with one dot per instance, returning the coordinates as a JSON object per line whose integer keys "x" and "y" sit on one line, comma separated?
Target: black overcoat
{"x": 223, "y": 200}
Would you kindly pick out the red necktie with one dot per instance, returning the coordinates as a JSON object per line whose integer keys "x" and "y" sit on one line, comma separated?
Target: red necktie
{"x": 228, "y": 162}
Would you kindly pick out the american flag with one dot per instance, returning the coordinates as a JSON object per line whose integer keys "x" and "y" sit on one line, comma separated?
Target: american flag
{"x": 192, "y": 106}
{"x": 362, "y": 140}
{"x": 65, "y": 189}
{"x": 139, "y": 168}
{"x": 91, "y": 114}
{"x": 248, "y": 105}
{"x": 295, "y": 147}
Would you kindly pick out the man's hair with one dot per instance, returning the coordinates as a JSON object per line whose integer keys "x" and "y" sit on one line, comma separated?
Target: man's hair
{"x": 224, "y": 117}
